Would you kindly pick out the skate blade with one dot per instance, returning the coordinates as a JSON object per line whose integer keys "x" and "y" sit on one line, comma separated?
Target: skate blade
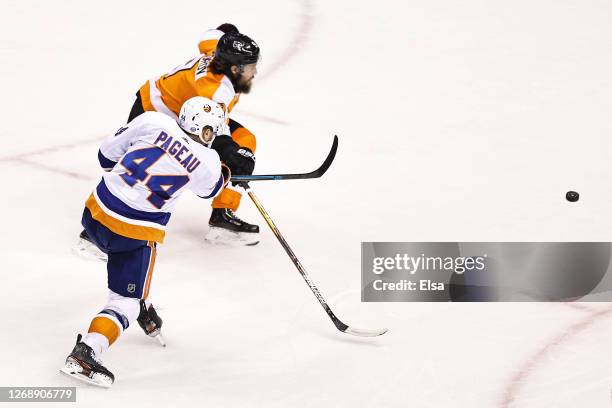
{"x": 221, "y": 236}
{"x": 86, "y": 250}
{"x": 74, "y": 370}
{"x": 156, "y": 334}
{"x": 161, "y": 339}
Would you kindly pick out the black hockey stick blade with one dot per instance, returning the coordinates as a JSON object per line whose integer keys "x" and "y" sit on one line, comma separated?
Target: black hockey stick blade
{"x": 313, "y": 174}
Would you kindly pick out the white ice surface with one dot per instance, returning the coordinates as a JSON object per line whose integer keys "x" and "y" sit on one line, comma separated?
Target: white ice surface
{"x": 458, "y": 121}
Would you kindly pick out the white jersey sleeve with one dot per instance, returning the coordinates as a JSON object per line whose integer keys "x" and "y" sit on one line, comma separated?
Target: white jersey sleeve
{"x": 114, "y": 147}
{"x": 207, "y": 180}
{"x": 208, "y": 41}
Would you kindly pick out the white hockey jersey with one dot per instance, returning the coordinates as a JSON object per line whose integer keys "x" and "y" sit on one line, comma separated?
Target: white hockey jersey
{"x": 151, "y": 162}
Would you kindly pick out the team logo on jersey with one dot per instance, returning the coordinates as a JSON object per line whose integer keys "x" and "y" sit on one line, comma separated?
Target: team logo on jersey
{"x": 131, "y": 288}
{"x": 206, "y": 108}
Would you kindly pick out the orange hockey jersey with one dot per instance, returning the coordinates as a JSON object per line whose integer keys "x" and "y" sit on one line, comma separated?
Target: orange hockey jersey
{"x": 167, "y": 93}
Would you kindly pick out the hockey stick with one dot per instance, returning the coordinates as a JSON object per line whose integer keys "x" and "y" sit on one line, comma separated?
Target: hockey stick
{"x": 339, "y": 325}
{"x": 313, "y": 174}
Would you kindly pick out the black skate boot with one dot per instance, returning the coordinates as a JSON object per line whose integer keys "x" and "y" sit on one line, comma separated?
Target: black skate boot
{"x": 83, "y": 365}
{"x": 87, "y": 249}
{"x": 226, "y": 228}
{"x": 150, "y": 322}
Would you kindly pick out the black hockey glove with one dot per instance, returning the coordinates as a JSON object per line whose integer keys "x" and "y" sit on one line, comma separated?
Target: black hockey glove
{"x": 239, "y": 159}
{"x": 242, "y": 160}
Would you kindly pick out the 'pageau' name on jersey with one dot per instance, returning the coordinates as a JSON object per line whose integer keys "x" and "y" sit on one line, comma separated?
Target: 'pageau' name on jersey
{"x": 178, "y": 150}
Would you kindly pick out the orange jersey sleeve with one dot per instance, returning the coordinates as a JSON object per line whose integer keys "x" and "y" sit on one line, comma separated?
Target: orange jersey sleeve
{"x": 208, "y": 42}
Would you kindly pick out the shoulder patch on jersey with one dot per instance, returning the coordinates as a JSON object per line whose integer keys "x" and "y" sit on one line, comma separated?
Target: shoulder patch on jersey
{"x": 121, "y": 130}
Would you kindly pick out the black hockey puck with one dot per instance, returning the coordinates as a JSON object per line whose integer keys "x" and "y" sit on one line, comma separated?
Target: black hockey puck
{"x": 572, "y": 196}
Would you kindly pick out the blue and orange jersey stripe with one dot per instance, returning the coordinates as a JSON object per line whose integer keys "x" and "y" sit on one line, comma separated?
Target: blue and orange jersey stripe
{"x": 117, "y": 216}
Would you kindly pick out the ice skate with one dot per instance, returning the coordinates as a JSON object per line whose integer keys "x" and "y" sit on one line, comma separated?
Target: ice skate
{"x": 86, "y": 249}
{"x": 83, "y": 365}
{"x": 150, "y": 322}
{"x": 227, "y": 229}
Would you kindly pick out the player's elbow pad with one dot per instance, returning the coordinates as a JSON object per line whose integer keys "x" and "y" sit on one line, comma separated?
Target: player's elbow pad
{"x": 105, "y": 163}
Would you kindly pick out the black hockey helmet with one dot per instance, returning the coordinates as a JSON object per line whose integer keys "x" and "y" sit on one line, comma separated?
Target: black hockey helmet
{"x": 227, "y": 28}
{"x": 237, "y": 49}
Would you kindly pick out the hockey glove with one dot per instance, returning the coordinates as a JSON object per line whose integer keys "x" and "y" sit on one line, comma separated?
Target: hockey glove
{"x": 240, "y": 160}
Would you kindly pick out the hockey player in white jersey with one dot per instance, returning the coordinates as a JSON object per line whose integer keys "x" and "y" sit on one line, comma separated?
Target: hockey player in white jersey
{"x": 150, "y": 162}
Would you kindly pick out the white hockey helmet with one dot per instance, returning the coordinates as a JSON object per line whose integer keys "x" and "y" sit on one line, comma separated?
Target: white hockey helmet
{"x": 197, "y": 114}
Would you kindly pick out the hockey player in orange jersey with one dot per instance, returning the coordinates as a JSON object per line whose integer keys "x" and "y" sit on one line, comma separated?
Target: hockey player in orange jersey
{"x": 222, "y": 72}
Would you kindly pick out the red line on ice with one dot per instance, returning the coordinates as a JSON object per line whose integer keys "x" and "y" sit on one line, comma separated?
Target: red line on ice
{"x": 300, "y": 38}
{"x": 53, "y": 169}
{"x": 520, "y": 377}
{"x": 579, "y": 306}
{"x": 51, "y": 149}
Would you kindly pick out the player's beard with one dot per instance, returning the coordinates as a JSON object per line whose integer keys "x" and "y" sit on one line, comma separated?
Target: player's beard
{"x": 243, "y": 86}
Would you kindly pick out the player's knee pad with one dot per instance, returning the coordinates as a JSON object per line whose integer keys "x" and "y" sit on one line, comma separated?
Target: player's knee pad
{"x": 122, "y": 308}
